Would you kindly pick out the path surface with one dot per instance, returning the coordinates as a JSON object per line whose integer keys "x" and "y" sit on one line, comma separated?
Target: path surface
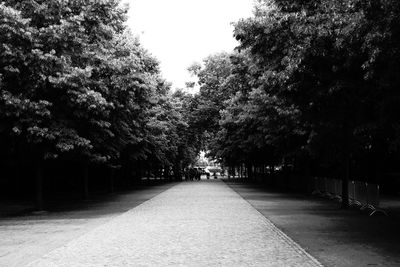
{"x": 24, "y": 239}
{"x": 335, "y": 237}
{"x": 192, "y": 224}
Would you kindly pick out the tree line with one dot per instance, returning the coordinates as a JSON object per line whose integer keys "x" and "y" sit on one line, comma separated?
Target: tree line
{"x": 78, "y": 90}
{"x": 312, "y": 86}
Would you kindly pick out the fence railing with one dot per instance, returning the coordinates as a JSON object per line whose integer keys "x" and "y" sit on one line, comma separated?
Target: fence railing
{"x": 361, "y": 194}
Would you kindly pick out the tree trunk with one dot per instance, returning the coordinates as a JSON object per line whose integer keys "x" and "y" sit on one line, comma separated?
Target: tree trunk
{"x": 345, "y": 183}
{"x": 112, "y": 175}
{"x": 264, "y": 178}
{"x": 86, "y": 181}
{"x": 249, "y": 171}
{"x": 272, "y": 175}
{"x": 39, "y": 186}
{"x": 308, "y": 178}
{"x": 17, "y": 178}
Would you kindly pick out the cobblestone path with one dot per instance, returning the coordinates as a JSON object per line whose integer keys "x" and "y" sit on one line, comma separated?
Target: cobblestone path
{"x": 192, "y": 224}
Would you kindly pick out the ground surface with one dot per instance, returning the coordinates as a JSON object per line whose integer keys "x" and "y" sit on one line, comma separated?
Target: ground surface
{"x": 198, "y": 224}
{"x": 191, "y": 224}
{"x": 23, "y": 239}
{"x": 333, "y": 236}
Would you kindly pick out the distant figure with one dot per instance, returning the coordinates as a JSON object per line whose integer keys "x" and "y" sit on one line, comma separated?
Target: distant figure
{"x": 187, "y": 174}
{"x": 192, "y": 174}
{"x": 198, "y": 174}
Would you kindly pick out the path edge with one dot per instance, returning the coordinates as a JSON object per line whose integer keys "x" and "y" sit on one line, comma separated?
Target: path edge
{"x": 279, "y": 232}
{"x": 32, "y": 263}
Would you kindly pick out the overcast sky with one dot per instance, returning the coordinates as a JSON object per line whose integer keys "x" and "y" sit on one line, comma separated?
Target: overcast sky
{"x": 180, "y": 32}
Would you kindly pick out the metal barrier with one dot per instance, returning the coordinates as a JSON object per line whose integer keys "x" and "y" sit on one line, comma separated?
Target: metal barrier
{"x": 319, "y": 184}
{"x": 360, "y": 193}
{"x": 315, "y": 189}
{"x": 352, "y": 194}
{"x": 330, "y": 188}
{"x": 373, "y": 199}
{"x": 325, "y": 191}
{"x": 338, "y": 188}
{"x": 326, "y": 187}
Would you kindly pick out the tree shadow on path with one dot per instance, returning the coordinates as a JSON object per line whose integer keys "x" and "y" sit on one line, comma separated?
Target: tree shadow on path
{"x": 334, "y": 236}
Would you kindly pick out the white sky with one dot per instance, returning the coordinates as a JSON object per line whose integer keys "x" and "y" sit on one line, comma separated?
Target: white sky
{"x": 180, "y": 32}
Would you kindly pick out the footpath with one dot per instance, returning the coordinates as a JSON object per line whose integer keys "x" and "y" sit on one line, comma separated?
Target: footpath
{"x": 333, "y": 236}
{"x": 202, "y": 223}
{"x": 26, "y": 237}
{"x": 206, "y": 223}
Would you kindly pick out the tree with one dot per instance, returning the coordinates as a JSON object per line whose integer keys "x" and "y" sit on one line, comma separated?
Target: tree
{"x": 316, "y": 56}
{"x": 74, "y": 83}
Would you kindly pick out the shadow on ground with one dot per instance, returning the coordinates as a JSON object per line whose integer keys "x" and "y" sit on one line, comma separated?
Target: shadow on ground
{"x": 334, "y": 236}
{"x": 27, "y": 236}
{"x": 98, "y": 203}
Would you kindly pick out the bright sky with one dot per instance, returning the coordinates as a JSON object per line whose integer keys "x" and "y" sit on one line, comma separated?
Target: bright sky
{"x": 180, "y": 32}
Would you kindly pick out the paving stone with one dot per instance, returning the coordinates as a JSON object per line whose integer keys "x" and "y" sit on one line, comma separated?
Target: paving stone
{"x": 192, "y": 224}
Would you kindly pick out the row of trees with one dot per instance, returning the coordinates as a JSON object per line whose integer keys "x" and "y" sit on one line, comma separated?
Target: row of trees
{"x": 312, "y": 84}
{"x": 76, "y": 87}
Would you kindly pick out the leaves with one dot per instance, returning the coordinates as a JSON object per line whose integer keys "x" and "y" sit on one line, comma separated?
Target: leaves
{"x": 307, "y": 76}
{"x": 76, "y": 84}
